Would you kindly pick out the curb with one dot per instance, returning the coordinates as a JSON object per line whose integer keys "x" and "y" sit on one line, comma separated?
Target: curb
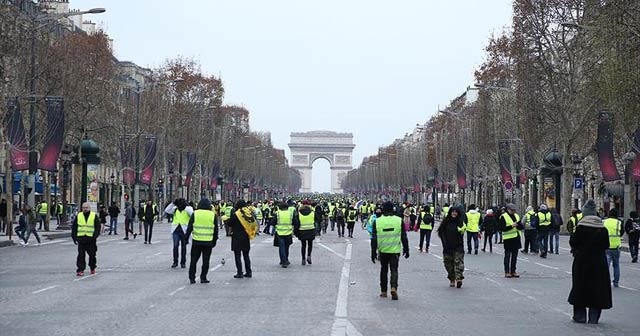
{"x": 5, "y": 243}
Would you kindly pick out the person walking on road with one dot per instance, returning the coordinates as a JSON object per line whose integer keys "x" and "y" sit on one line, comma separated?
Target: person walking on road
{"x": 30, "y": 222}
{"x": 352, "y": 217}
{"x": 149, "y": 213}
{"x": 451, "y": 233}
{"x": 474, "y": 220}
{"x": 240, "y": 223}
{"x": 84, "y": 232}
{"x": 632, "y": 228}
{"x": 544, "y": 223}
{"x": 284, "y": 233}
{"x": 180, "y": 212}
{"x": 129, "y": 218}
{"x": 304, "y": 229}
{"x": 530, "y": 221}
{"x": 554, "y": 232}
{"x": 204, "y": 233}
{"x": 489, "y": 226}
{"x": 590, "y": 282}
{"x": 339, "y": 219}
{"x": 509, "y": 224}
{"x": 114, "y": 212}
{"x": 389, "y": 239}
{"x": 426, "y": 227}
{"x": 614, "y": 227}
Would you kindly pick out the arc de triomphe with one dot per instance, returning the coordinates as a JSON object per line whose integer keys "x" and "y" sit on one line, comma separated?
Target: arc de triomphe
{"x": 307, "y": 147}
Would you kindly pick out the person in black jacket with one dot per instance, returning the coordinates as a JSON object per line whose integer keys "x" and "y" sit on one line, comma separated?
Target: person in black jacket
{"x": 632, "y": 228}
{"x": 305, "y": 233}
{"x": 200, "y": 247}
{"x": 240, "y": 243}
{"x": 451, "y": 232}
{"x": 489, "y": 226}
{"x": 388, "y": 260}
{"x": 114, "y": 211}
{"x": 85, "y": 238}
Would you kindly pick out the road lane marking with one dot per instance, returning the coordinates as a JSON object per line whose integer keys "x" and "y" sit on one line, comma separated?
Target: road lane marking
{"x": 547, "y": 266}
{"x": 85, "y": 277}
{"x": 564, "y": 248}
{"x": 568, "y": 272}
{"x": 52, "y": 242}
{"x": 500, "y": 253}
{"x": 177, "y": 290}
{"x": 523, "y": 259}
{"x": 562, "y": 312}
{"x": 633, "y": 268}
{"x": 5, "y": 271}
{"x": 629, "y": 288}
{"x": 67, "y": 244}
{"x": 437, "y": 256}
{"x": 215, "y": 267}
{"x": 45, "y": 289}
{"x": 493, "y": 281}
{"x": 106, "y": 241}
{"x": 331, "y": 250}
{"x": 342, "y": 326}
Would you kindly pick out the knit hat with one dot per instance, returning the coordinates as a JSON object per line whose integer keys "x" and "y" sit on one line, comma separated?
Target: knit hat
{"x": 204, "y": 204}
{"x": 543, "y": 207}
{"x": 489, "y": 212}
{"x": 529, "y": 208}
{"x": 589, "y": 208}
{"x": 511, "y": 206}
{"x": 387, "y": 207}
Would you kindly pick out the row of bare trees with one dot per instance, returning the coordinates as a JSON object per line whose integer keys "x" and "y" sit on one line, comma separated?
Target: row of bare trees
{"x": 176, "y": 103}
{"x": 541, "y": 87}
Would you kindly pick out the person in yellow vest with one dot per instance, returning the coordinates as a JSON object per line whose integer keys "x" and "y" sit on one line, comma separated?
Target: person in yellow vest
{"x": 544, "y": 224}
{"x": 590, "y": 280}
{"x": 243, "y": 231}
{"x": 445, "y": 210}
{"x": 388, "y": 240}
{"x": 352, "y": 217}
{"x": 576, "y": 216}
{"x": 426, "y": 227}
{"x": 474, "y": 220}
{"x": 181, "y": 213}
{"x": 530, "y": 222}
{"x": 284, "y": 232}
{"x": 84, "y": 232}
{"x": 509, "y": 224}
{"x": 42, "y": 209}
{"x": 304, "y": 229}
{"x": 332, "y": 214}
{"x": 615, "y": 229}
{"x": 204, "y": 234}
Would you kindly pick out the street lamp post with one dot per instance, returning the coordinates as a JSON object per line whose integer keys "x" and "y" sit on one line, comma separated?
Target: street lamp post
{"x": 39, "y": 21}
{"x": 112, "y": 183}
{"x": 66, "y": 165}
{"x": 629, "y": 202}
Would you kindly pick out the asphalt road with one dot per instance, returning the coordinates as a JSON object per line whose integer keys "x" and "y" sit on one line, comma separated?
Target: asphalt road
{"x": 137, "y": 293}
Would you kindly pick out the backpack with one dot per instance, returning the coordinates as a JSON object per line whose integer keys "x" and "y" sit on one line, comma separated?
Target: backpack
{"x": 427, "y": 218}
{"x": 534, "y": 220}
{"x": 339, "y": 213}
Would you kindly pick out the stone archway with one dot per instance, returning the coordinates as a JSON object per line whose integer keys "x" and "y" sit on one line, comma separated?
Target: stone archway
{"x": 337, "y": 148}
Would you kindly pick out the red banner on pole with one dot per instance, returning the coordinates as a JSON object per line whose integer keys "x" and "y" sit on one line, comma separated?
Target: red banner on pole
{"x": 504, "y": 157}
{"x": 604, "y": 145}
{"x": 146, "y": 176}
{"x": 462, "y": 172}
{"x": 191, "y": 166}
{"x": 55, "y": 134}
{"x": 18, "y": 148}
{"x": 635, "y": 169}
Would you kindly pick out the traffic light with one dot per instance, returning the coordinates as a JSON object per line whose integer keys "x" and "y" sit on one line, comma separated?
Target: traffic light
{"x": 126, "y": 197}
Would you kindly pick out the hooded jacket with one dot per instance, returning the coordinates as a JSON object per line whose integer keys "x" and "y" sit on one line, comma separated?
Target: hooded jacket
{"x": 450, "y": 234}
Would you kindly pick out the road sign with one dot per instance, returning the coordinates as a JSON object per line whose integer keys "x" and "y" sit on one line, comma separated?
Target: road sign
{"x": 578, "y": 183}
{"x": 508, "y": 185}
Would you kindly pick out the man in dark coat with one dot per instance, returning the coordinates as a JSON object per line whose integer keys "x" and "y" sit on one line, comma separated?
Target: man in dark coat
{"x": 84, "y": 232}
{"x": 591, "y": 283}
{"x": 240, "y": 244}
{"x": 632, "y": 228}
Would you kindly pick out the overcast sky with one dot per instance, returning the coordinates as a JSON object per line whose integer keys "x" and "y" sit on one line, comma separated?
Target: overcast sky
{"x": 369, "y": 67}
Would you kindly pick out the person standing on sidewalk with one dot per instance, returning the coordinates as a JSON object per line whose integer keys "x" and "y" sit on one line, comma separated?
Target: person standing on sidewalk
{"x": 451, "y": 232}
{"x": 632, "y": 228}
{"x": 30, "y": 222}
{"x": 42, "y": 208}
{"x": 84, "y": 232}
{"x": 114, "y": 211}
{"x": 388, "y": 240}
{"x": 509, "y": 224}
{"x": 614, "y": 227}
{"x": 204, "y": 233}
{"x": 590, "y": 281}
{"x": 3, "y": 216}
{"x": 149, "y": 213}
{"x": 180, "y": 212}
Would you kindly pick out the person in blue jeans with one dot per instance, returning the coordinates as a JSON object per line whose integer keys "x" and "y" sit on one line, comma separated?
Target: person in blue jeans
{"x": 554, "y": 231}
{"x": 614, "y": 227}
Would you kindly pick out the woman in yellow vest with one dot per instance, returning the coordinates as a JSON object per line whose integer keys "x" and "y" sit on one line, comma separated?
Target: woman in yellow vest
{"x": 590, "y": 282}
{"x": 304, "y": 228}
{"x": 509, "y": 224}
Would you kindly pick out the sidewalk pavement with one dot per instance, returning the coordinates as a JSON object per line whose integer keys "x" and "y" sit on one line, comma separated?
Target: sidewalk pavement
{"x": 46, "y": 235}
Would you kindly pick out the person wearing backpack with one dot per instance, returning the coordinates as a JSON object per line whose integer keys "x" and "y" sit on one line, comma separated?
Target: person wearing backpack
{"x": 426, "y": 227}
{"x": 530, "y": 222}
{"x": 554, "y": 232}
{"x": 339, "y": 219}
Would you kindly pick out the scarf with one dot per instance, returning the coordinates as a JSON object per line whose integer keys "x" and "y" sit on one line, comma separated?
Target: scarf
{"x": 591, "y": 221}
{"x": 248, "y": 221}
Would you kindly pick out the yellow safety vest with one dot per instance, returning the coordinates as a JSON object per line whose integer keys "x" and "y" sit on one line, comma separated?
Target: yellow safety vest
{"x": 203, "y": 225}
{"x": 445, "y": 211}
{"x": 424, "y": 226}
{"x": 614, "y": 227}
{"x": 284, "y": 226}
{"x": 307, "y": 221}
{"x": 527, "y": 220}
{"x": 513, "y": 232}
{"x": 180, "y": 218}
{"x": 389, "y": 234}
{"x": 473, "y": 222}
{"x": 86, "y": 227}
{"x": 44, "y": 207}
{"x": 545, "y": 219}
